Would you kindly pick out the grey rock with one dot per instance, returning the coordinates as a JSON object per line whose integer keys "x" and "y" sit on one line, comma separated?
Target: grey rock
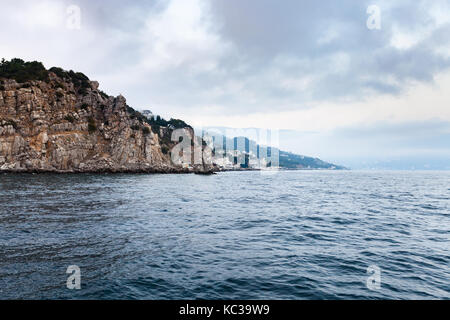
{"x": 44, "y": 129}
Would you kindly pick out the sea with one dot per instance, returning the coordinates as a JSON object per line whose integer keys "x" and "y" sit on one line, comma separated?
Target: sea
{"x": 234, "y": 235}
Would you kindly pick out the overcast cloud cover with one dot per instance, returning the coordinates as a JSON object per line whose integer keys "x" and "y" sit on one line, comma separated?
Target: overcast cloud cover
{"x": 313, "y": 68}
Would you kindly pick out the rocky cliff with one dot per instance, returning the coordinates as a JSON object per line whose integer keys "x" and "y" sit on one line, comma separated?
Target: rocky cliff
{"x": 61, "y": 122}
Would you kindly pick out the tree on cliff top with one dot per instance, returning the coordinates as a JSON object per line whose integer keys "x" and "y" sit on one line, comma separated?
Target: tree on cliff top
{"x": 22, "y": 71}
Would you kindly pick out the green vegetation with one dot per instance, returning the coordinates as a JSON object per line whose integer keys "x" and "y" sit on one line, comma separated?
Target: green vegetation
{"x": 166, "y": 138}
{"x": 174, "y": 123}
{"x": 146, "y": 131}
{"x": 59, "y": 86}
{"x": 178, "y": 124}
{"x": 80, "y": 80}
{"x": 84, "y": 106}
{"x": 59, "y": 72}
{"x": 156, "y": 129}
{"x": 82, "y": 91}
{"x": 104, "y": 95}
{"x": 70, "y": 118}
{"x": 92, "y": 127}
{"x": 158, "y": 122}
{"x": 165, "y": 149}
{"x": 22, "y": 71}
{"x": 135, "y": 114}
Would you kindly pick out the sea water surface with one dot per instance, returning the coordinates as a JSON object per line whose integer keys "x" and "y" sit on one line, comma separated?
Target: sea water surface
{"x": 235, "y": 235}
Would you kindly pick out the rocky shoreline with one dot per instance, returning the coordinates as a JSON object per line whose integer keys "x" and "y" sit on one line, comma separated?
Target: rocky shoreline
{"x": 110, "y": 171}
{"x": 63, "y": 123}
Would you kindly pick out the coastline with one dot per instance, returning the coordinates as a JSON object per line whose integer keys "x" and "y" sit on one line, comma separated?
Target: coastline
{"x": 110, "y": 171}
{"x": 169, "y": 170}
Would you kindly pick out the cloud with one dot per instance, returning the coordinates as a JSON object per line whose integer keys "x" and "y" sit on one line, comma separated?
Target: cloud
{"x": 425, "y": 135}
{"x": 422, "y": 144}
{"x": 236, "y": 56}
{"x": 330, "y": 42}
{"x": 304, "y": 65}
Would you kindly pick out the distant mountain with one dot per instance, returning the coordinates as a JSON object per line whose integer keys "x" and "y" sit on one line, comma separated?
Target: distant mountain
{"x": 241, "y": 152}
{"x": 294, "y": 161}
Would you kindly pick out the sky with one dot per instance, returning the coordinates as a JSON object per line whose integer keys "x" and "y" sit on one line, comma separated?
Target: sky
{"x": 361, "y": 83}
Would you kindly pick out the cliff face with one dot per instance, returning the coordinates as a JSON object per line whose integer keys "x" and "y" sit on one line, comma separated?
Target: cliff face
{"x": 62, "y": 125}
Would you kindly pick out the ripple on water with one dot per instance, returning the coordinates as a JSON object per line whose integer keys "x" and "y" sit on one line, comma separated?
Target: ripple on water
{"x": 295, "y": 235}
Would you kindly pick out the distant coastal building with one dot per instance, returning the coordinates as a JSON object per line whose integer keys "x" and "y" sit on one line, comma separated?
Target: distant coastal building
{"x": 148, "y": 114}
